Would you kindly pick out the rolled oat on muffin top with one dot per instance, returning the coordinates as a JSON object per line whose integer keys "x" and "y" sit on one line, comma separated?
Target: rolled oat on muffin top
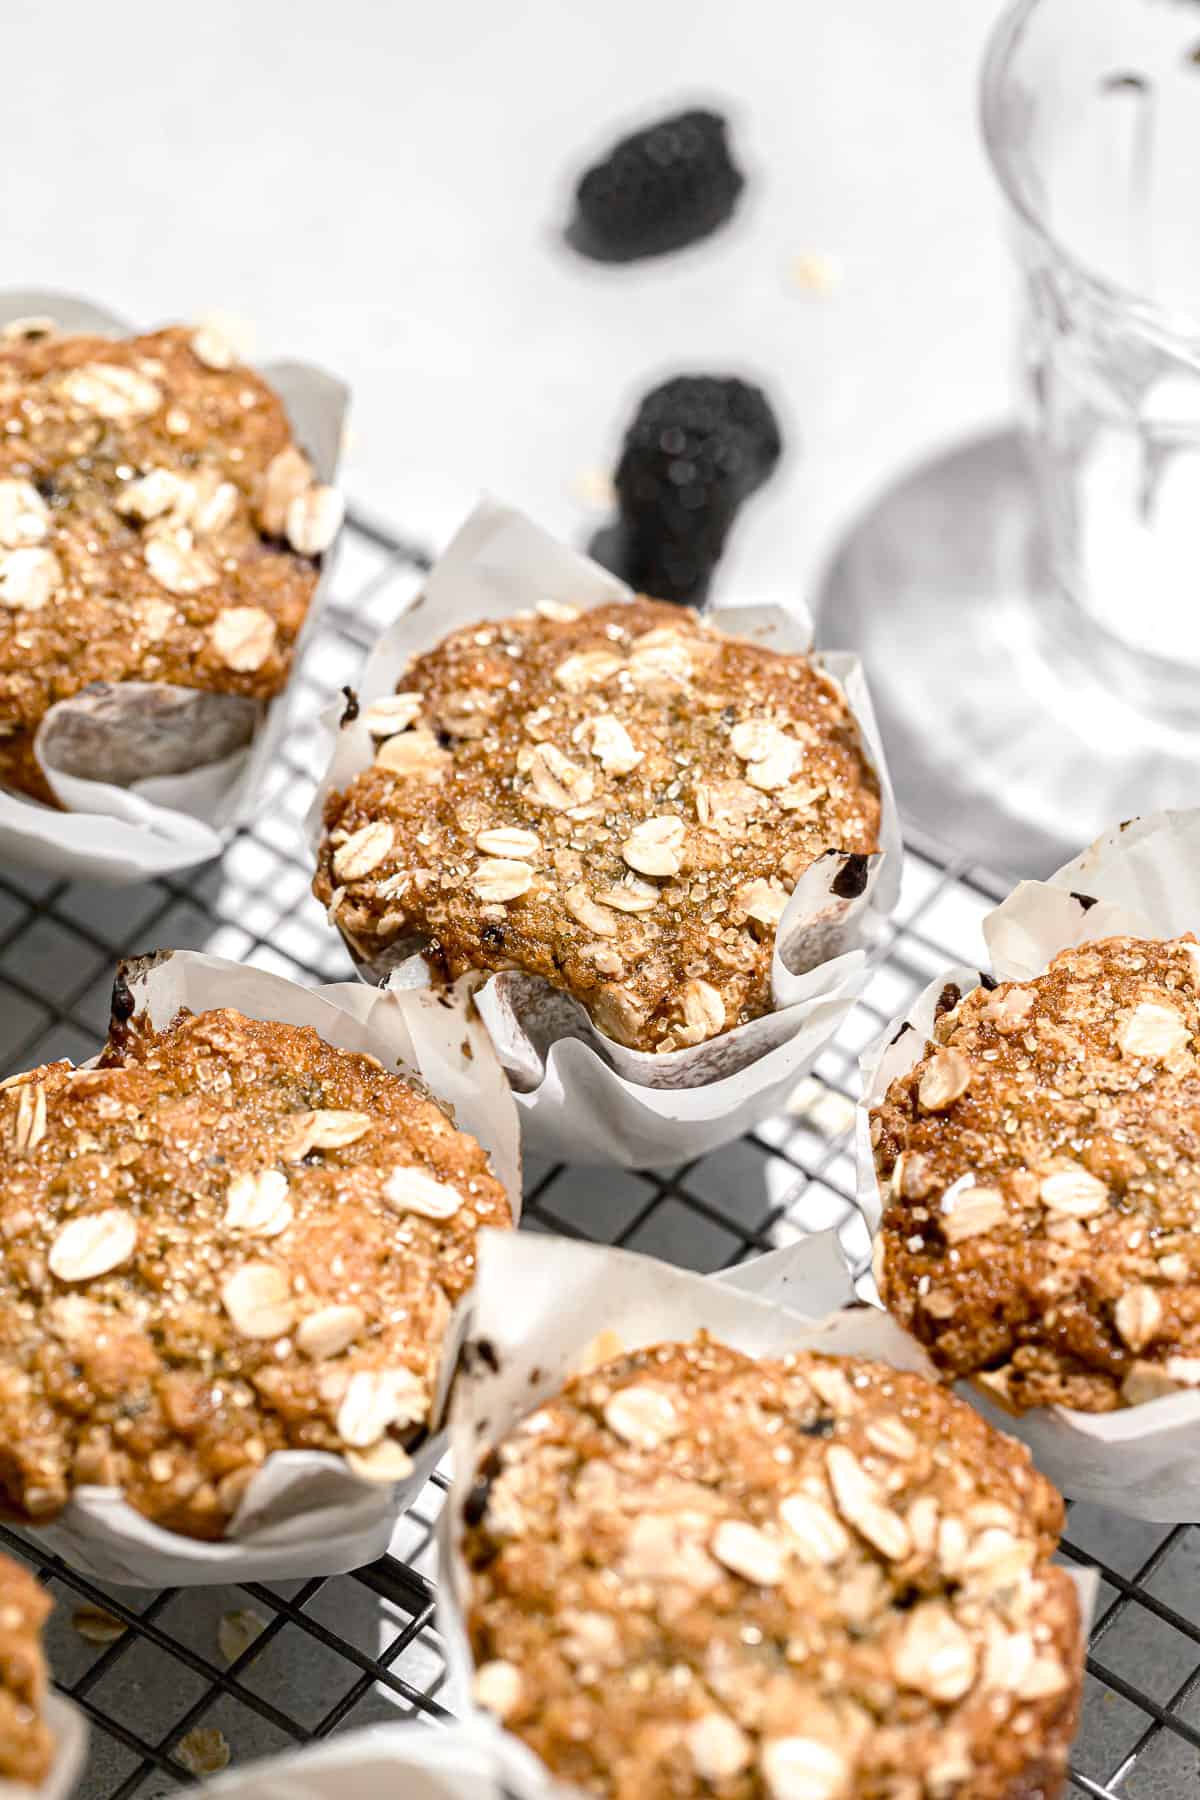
{"x": 618, "y": 800}
{"x": 1041, "y": 1176}
{"x": 157, "y": 525}
{"x": 692, "y": 1574}
{"x": 230, "y": 1238}
{"x": 26, "y": 1742}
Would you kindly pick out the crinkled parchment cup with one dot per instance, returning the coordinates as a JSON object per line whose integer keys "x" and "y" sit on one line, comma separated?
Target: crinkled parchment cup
{"x": 1141, "y": 880}
{"x": 583, "y": 1097}
{"x": 384, "y": 1762}
{"x": 69, "y": 1729}
{"x": 542, "y": 1303}
{"x": 304, "y": 1512}
{"x": 161, "y": 822}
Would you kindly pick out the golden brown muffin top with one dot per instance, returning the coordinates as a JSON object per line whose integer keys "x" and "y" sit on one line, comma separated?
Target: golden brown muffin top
{"x": 1041, "y": 1174}
{"x": 26, "y": 1744}
{"x": 157, "y": 524}
{"x": 230, "y": 1238}
{"x": 697, "y": 1574}
{"x": 618, "y": 800}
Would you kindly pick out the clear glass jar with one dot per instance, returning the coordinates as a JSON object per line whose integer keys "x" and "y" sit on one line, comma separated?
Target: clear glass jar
{"x": 1091, "y": 115}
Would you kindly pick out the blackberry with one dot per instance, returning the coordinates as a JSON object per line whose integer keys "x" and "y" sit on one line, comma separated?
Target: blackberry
{"x": 667, "y": 185}
{"x": 697, "y": 447}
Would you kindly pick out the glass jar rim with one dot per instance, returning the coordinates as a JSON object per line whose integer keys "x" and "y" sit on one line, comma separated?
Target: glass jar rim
{"x": 1003, "y": 43}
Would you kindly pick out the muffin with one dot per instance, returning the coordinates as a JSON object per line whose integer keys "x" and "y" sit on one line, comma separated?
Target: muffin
{"x": 160, "y": 536}
{"x": 26, "y": 1743}
{"x": 226, "y": 1239}
{"x": 1041, "y": 1173}
{"x": 618, "y": 801}
{"x": 696, "y": 1574}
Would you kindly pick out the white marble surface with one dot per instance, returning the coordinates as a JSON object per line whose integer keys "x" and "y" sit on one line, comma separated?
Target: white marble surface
{"x": 379, "y": 186}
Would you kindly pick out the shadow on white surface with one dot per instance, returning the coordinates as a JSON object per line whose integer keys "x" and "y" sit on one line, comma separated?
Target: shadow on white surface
{"x": 1010, "y": 738}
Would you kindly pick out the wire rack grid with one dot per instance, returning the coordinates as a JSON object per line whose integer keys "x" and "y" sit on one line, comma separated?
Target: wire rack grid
{"x": 148, "y": 1668}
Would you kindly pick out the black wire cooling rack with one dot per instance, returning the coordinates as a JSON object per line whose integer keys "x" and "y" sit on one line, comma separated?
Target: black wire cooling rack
{"x": 150, "y": 1669}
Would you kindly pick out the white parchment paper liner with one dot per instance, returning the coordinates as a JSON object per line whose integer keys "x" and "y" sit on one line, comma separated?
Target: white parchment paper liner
{"x": 384, "y": 1762}
{"x": 584, "y": 1098}
{"x": 304, "y": 1513}
{"x": 154, "y": 827}
{"x": 1143, "y": 879}
{"x": 540, "y": 1303}
{"x": 69, "y": 1729}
